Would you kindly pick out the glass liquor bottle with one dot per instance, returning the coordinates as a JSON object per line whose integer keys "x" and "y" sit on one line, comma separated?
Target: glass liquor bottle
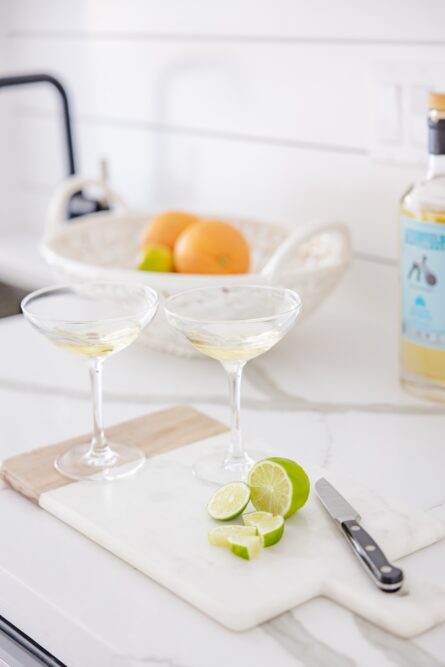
{"x": 422, "y": 269}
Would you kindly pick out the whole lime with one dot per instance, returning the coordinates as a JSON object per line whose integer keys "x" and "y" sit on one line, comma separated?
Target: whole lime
{"x": 156, "y": 258}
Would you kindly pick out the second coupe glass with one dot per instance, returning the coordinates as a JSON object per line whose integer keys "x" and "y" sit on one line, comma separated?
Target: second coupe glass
{"x": 232, "y": 325}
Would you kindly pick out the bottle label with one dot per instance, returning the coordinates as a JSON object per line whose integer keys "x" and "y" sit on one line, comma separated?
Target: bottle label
{"x": 423, "y": 282}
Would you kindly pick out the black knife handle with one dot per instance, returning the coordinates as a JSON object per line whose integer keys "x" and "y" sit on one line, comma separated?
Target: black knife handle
{"x": 387, "y": 577}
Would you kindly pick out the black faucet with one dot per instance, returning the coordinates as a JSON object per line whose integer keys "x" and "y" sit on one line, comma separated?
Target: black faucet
{"x": 80, "y": 204}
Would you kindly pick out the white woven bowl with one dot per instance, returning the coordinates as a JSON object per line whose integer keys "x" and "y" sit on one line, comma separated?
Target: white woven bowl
{"x": 104, "y": 246}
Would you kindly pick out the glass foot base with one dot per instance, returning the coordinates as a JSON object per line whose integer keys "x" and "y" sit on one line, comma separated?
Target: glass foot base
{"x": 217, "y": 469}
{"x": 423, "y": 387}
{"x": 77, "y": 463}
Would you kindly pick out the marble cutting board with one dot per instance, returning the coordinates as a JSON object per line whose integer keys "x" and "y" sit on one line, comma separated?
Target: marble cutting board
{"x": 156, "y": 521}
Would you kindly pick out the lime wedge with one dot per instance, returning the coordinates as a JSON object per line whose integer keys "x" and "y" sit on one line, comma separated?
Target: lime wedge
{"x": 245, "y": 547}
{"x": 229, "y": 501}
{"x": 253, "y": 518}
{"x": 220, "y": 535}
{"x": 278, "y": 485}
{"x": 271, "y": 530}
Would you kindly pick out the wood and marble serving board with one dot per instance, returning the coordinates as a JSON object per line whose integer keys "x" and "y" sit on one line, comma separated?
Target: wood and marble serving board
{"x": 157, "y": 522}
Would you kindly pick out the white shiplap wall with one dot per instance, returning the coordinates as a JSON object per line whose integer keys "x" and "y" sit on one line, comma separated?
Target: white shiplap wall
{"x": 247, "y": 107}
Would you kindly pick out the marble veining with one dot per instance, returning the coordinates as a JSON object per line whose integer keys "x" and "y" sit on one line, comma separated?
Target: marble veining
{"x": 276, "y": 398}
{"x": 146, "y": 661}
{"x": 440, "y": 503}
{"x": 293, "y": 637}
{"x": 402, "y": 653}
{"x": 375, "y": 259}
{"x": 282, "y": 400}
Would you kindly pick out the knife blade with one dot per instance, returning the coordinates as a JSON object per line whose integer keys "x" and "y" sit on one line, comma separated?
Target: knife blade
{"x": 386, "y": 576}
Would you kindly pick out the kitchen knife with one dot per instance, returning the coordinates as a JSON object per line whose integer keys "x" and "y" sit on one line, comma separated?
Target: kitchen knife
{"x": 386, "y": 576}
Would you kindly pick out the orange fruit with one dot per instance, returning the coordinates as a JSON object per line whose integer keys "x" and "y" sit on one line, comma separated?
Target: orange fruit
{"x": 211, "y": 246}
{"x": 165, "y": 228}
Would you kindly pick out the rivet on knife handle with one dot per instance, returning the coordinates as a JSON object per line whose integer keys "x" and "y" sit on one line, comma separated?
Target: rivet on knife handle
{"x": 387, "y": 577}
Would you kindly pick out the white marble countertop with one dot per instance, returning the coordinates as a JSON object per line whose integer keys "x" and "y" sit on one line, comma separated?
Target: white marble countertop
{"x": 330, "y": 389}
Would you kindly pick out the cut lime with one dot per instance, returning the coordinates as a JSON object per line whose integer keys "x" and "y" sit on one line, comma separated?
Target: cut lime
{"x": 253, "y": 518}
{"x": 220, "y": 535}
{"x": 271, "y": 530}
{"x": 245, "y": 547}
{"x": 229, "y": 501}
{"x": 278, "y": 485}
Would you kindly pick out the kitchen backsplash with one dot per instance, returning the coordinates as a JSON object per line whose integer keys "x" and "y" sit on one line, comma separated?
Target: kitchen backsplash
{"x": 261, "y": 109}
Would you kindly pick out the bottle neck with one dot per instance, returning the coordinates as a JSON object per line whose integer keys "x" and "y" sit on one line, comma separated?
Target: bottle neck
{"x": 436, "y": 144}
{"x": 436, "y": 166}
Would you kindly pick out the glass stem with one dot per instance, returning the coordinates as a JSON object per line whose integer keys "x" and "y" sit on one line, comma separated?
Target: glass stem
{"x": 99, "y": 447}
{"x": 234, "y": 372}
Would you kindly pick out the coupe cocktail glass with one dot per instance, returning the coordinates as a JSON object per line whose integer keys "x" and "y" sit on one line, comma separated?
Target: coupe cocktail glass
{"x": 94, "y": 320}
{"x": 232, "y": 325}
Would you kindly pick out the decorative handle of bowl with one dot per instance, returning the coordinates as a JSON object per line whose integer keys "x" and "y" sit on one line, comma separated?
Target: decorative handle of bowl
{"x": 275, "y": 267}
{"x": 56, "y": 214}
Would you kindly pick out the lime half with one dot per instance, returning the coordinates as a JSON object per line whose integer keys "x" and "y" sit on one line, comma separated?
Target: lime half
{"x": 253, "y": 518}
{"x": 271, "y": 530}
{"x": 229, "y": 501}
{"x": 278, "y": 485}
{"x": 245, "y": 547}
{"x": 220, "y": 535}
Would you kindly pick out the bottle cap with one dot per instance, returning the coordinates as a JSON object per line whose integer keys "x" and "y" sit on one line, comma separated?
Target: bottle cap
{"x": 437, "y": 101}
